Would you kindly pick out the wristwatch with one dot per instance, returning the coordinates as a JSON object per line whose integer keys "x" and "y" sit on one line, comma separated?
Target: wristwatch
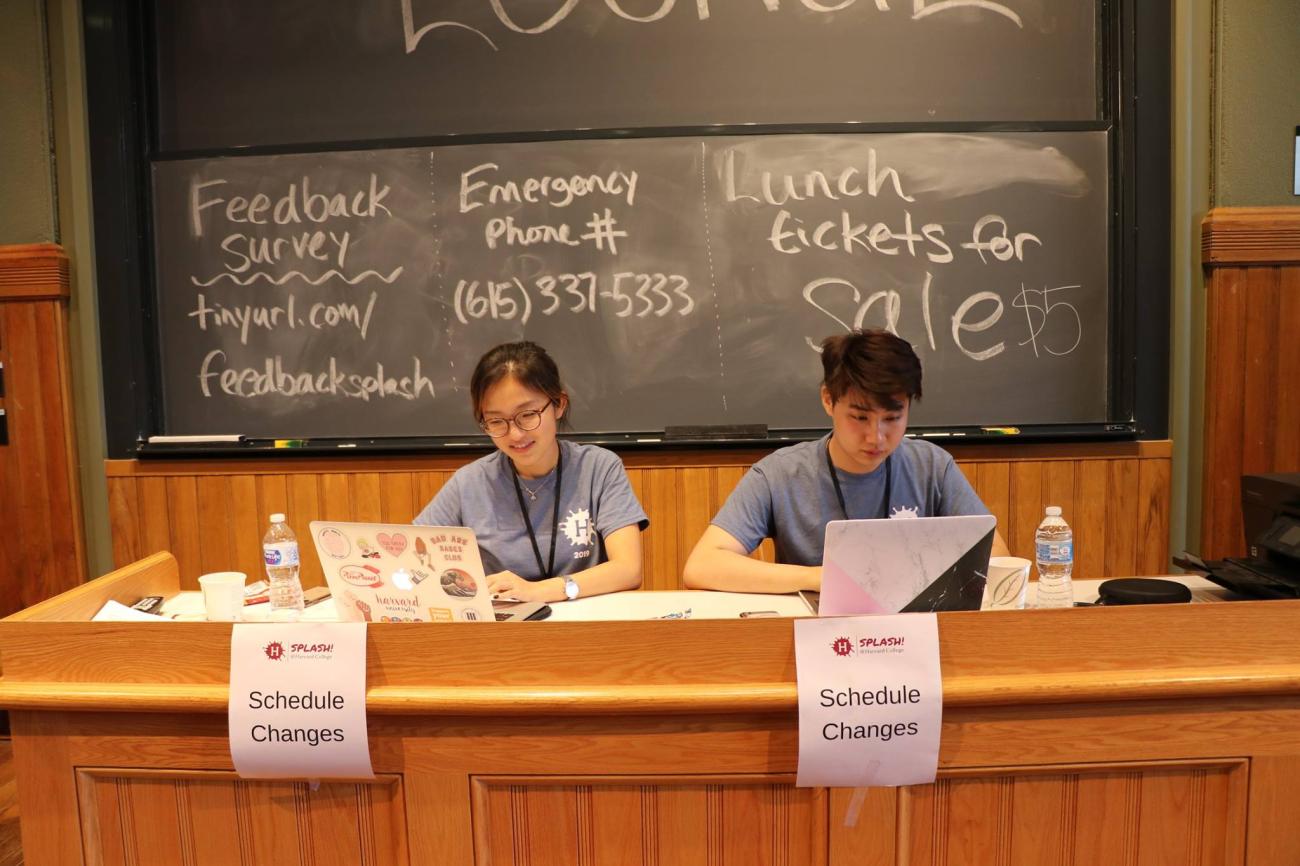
{"x": 570, "y": 588}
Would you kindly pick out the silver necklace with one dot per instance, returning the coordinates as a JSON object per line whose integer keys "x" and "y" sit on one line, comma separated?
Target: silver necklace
{"x": 533, "y": 493}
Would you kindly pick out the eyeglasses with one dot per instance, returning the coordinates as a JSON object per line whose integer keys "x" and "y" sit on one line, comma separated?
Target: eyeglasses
{"x": 528, "y": 419}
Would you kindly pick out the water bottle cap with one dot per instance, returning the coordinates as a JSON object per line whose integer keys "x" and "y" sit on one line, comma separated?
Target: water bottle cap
{"x": 1053, "y": 511}
{"x": 279, "y": 518}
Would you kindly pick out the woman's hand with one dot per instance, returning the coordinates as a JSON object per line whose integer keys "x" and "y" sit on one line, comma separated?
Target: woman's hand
{"x": 507, "y": 584}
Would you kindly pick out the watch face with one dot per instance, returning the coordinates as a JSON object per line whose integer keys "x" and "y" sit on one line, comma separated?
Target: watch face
{"x": 570, "y": 589}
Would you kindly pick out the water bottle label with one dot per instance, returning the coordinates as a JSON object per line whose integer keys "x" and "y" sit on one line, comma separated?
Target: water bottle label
{"x": 282, "y": 553}
{"x": 1056, "y": 551}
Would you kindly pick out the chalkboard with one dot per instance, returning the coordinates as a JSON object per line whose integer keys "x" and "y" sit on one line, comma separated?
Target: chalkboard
{"x": 233, "y": 73}
{"x": 677, "y": 280}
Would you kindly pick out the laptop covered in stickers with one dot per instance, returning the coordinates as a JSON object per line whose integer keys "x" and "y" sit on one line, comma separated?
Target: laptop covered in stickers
{"x": 385, "y": 572}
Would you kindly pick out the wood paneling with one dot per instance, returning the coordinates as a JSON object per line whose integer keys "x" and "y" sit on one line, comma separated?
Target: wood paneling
{"x": 11, "y": 847}
{"x": 165, "y": 817}
{"x": 1252, "y": 361}
{"x": 1161, "y": 813}
{"x": 539, "y": 821}
{"x": 212, "y": 514}
{"x": 1128, "y": 774}
{"x": 41, "y": 545}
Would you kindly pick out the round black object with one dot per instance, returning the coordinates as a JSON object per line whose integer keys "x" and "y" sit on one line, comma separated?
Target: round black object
{"x": 1142, "y": 590}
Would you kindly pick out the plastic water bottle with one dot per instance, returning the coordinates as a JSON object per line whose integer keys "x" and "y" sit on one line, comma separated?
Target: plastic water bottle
{"x": 1054, "y": 550}
{"x": 280, "y": 551}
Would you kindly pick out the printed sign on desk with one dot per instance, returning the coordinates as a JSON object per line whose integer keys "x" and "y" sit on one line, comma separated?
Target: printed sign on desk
{"x": 870, "y": 700}
{"x": 298, "y": 701}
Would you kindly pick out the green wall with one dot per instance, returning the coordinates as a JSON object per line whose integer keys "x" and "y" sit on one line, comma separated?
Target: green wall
{"x": 27, "y": 203}
{"x": 1190, "y": 183}
{"x": 1257, "y": 101}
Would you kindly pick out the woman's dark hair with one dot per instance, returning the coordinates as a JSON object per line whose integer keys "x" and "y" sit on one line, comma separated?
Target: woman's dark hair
{"x": 527, "y": 362}
{"x": 874, "y": 363}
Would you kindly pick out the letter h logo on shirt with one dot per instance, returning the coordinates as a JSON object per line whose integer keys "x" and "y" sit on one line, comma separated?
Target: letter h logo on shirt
{"x": 577, "y": 527}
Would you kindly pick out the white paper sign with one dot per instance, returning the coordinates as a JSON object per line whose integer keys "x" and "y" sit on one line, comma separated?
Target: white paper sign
{"x": 298, "y": 701}
{"x": 870, "y": 700}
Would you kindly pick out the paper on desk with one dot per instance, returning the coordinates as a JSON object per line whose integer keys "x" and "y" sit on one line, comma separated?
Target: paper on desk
{"x": 113, "y": 611}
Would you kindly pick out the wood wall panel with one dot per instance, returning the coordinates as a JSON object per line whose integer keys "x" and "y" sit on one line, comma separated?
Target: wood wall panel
{"x": 165, "y": 817}
{"x": 1125, "y": 815}
{"x": 650, "y": 822}
{"x": 42, "y": 552}
{"x": 1165, "y": 814}
{"x": 1252, "y": 361}
{"x": 212, "y": 515}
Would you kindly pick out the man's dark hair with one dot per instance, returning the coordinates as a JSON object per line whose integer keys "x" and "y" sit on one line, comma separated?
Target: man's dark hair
{"x": 875, "y": 363}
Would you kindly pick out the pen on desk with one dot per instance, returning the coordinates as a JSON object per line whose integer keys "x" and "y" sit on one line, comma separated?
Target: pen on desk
{"x": 1002, "y": 431}
{"x": 290, "y": 443}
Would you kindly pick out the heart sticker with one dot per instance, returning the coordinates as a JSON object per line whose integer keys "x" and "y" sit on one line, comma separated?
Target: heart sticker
{"x": 393, "y": 544}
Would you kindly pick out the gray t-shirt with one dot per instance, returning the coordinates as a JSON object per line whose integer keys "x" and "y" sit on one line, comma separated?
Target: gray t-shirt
{"x": 597, "y": 499}
{"x": 788, "y": 496}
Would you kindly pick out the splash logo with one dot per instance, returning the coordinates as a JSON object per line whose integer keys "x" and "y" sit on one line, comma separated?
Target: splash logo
{"x": 274, "y": 650}
{"x": 903, "y": 511}
{"x": 842, "y": 646}
{"x": 577, "y": 527}
{"x": 876, "y": 644}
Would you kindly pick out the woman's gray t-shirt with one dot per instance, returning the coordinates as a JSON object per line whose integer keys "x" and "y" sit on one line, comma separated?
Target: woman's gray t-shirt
{"x": 597, "y": 500}
{"x": 788, "y": 496}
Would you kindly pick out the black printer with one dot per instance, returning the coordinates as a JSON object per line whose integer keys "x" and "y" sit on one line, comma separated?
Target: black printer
{"x": 1270, "y": 508}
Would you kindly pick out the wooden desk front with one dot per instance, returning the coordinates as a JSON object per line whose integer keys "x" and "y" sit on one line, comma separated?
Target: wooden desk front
{"x": 1109, "y": 736}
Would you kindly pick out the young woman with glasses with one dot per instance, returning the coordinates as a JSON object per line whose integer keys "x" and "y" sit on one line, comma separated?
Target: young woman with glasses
{"x": 555, "y": 520}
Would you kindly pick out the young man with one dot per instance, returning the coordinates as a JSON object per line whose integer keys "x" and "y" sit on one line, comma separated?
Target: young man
{"x": 863, "y": 468}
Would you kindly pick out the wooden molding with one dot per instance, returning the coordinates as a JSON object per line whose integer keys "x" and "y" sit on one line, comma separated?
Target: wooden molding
{"x": 33, "y": 272}
{"x": 1147, "y": 449}
{"x": 670, "y": 700}
{"x": 1250, "y": 236}
{"x": 156, "y": 573}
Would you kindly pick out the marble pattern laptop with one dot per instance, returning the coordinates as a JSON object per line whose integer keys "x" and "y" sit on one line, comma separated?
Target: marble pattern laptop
{"x": 905, "y": 565}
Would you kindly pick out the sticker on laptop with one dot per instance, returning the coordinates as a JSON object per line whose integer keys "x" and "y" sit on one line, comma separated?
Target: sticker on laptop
{"x": 362, "y": 575}
{"x": 335, "y": 543}
{"x": 394, "y": 544}
{"x": 458, "y": 583}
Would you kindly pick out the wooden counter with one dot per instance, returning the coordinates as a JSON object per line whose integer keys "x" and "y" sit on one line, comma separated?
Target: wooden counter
{"x": 1107, "y": 735}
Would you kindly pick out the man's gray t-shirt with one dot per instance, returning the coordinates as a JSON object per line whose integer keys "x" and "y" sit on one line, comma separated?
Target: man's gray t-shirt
{"x": 597, "y": 500}
{"x": 788, "y": 496}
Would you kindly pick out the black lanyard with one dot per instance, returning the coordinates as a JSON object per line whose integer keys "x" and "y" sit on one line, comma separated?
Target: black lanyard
{"x": 839, "y": 494}
{"x": 555, "y": 512}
